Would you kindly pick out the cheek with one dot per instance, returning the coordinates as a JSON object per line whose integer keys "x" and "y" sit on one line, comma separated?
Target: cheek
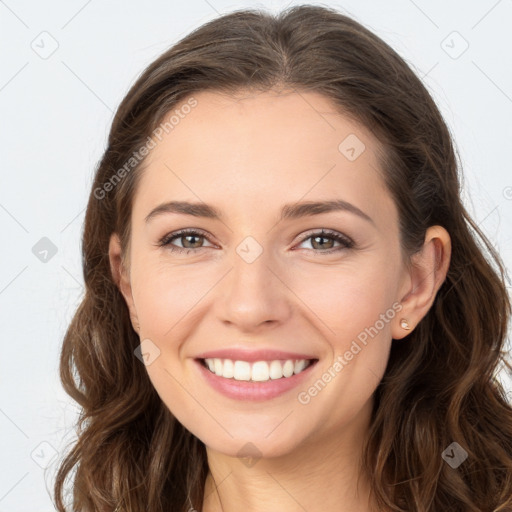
{"x": 166, "y": 297}
{"x": 355, "y": 317}
{"x": 167, "y": 300}
{"x": 353, "y": 308}
{"x": 346, "y": 299}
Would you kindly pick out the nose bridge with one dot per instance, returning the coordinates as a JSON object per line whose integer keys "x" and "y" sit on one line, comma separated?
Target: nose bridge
{"x": 252, "y": 293}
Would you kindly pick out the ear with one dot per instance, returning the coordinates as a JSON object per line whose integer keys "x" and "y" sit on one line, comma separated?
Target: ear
{"x": 425, "y": 276}
{"x": 121, "y": 276}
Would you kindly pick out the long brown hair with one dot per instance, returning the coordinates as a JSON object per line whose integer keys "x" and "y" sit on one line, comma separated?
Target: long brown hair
{"x": 440, "y": 384}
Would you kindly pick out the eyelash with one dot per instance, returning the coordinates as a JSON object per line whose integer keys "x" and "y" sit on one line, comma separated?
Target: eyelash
{"x": 324, "y": 233}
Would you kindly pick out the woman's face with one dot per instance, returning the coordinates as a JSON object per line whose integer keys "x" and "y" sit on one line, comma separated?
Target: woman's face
{"x": 257, "y": 284}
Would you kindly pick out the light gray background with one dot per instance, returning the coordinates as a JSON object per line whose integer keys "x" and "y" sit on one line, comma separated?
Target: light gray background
{"x": 55, "y": 114}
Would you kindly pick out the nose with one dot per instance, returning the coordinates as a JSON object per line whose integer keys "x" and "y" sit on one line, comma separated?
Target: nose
{"x": 254, "y": 295}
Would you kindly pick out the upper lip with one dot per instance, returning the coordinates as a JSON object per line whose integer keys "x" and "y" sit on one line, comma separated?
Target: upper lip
{"x": 251, "y": 355}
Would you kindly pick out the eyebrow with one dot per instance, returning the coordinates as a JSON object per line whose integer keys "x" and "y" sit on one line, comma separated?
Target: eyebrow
{"x": 288, "y": 211}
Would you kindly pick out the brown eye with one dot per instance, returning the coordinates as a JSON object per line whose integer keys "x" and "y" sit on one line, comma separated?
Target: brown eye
{"x": 190, "y": 239}
{"x": 319, "y": 242}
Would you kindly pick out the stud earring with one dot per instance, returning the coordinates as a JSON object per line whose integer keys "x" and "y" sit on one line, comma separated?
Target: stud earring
{"x": 404, "y": 324}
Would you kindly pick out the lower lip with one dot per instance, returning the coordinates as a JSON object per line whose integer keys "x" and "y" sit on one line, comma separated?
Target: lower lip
{"x": 248, "y": 390}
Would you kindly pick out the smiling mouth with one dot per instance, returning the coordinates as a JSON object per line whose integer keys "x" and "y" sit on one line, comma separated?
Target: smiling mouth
{"x": 257, "y": 371}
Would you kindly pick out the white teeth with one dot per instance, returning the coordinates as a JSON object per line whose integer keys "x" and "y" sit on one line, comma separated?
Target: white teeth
{"x": 242, "y": 370}
{"x": 229, "y": 369}
{"x": 288, "y": 368}
{"x": 259, "y": 371}
{"x": 276, "y": 370}
{"x": 299, "y": 366}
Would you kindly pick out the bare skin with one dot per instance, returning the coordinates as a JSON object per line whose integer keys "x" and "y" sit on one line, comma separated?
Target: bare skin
{"x": 248, "y": 156}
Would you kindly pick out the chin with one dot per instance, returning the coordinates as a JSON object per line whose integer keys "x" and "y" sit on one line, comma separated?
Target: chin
{"x": 247, "y": 440}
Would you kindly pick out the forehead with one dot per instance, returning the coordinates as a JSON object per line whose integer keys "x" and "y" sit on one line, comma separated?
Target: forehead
{"x": 260, "y": 150}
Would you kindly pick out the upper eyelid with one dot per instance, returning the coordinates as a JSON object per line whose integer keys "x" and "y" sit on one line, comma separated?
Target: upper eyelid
{"x": 325, "y": 232}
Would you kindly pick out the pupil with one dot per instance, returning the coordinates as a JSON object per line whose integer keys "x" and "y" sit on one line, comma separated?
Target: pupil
{"x": 190, "y": 236}
{"x": 321, "y": 238}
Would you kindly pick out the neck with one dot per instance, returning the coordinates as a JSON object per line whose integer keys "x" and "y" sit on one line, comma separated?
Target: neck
{"x": 320, "y": 475}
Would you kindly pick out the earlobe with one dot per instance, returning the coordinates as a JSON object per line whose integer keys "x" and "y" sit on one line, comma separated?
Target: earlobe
{"x": 120, "y": 275}
{"x": 426, "y": 275}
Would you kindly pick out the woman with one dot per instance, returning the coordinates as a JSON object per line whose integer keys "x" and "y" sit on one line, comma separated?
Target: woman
{"x": 287, "y": 306}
